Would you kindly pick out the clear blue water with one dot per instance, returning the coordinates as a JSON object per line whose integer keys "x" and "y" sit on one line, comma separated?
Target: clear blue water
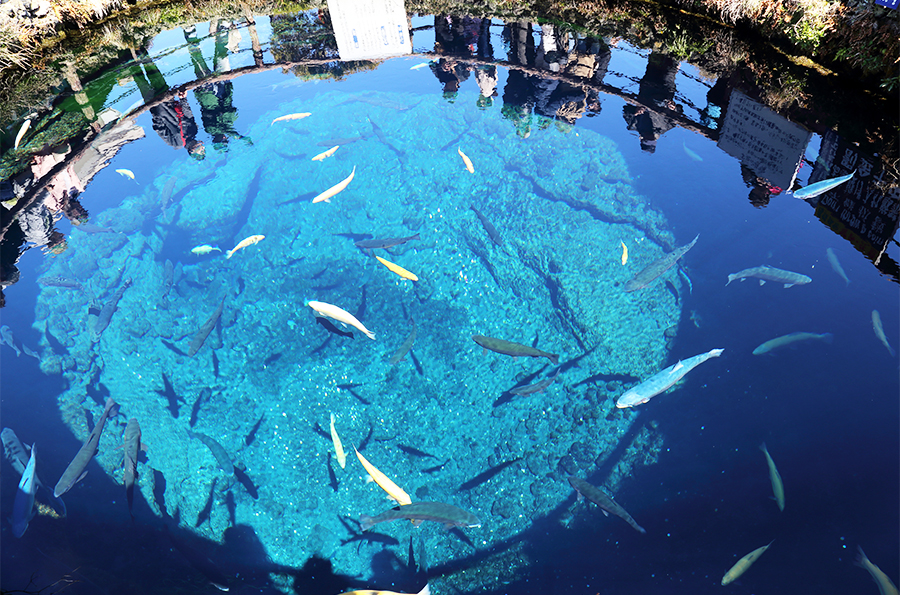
{"x": 563, "y": 195}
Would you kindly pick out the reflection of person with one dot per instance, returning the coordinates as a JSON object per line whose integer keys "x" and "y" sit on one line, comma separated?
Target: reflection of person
{"x": 173, "y": 120}
{"x": 657, "y": 88}
{"x": 217, "y": 111}
{"x": 450, "y": 73}
{"x": 760, "y": 189}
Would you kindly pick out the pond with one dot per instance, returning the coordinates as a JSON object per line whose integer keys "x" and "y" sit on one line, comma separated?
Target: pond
{"x": 311, "y": 276}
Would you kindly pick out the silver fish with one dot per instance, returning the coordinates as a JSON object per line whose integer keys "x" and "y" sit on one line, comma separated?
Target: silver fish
{"x": 6, "y": 336}
{"x": 23, "y": 506}
{"x": 821, "y": 187}
{"x": 656, "y": 268}
{"x": 778, "y": 342}
{"x": 836, "y": 265}
{"x": 664, "y": 380}
{"x": 879, "y": 331}
{"x": 767, "y": 273}
{"x": 106, "y": 312}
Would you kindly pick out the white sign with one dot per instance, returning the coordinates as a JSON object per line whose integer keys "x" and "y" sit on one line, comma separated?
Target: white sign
{"x": 369, "y": 29}
{"x": 770, "y": 145}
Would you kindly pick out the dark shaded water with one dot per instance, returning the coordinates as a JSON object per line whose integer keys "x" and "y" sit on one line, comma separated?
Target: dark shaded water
{"x": 566, "y": 168}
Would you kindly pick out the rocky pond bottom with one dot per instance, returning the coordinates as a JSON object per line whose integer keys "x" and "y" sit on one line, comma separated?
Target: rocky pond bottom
{"x": 539, "y": 263}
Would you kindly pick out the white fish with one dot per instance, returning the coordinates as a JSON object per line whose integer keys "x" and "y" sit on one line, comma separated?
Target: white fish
{"x": 766, "y": 273}
{"x": 775, "y": 477}
{"x": 778, "y": 342}
{"x": 836, "y": 265}
{"x": 821, "y": 187}
{"x": 879, "y": 331}
{"x": 690, "y": 153}
{"x": 743, "y": 564}
{"x": 341, "y": 315}
{"x": 21, "y": 134}
{"x": 662, "y": 381}
{"x": 126, "y": 172}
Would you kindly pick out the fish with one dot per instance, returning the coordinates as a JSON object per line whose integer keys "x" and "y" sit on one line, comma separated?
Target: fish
{"x": 778, "y": 342}
{"x": 6, "y": 336}
{"x": 205, "y": 395}
{"x": 449, "y": 515}
{"x": 415, "y": 452}
{"x": 818, "y": 188}
{"x": 248, "y": 241}
{"x": 107, "y": 311}
{"x": 218, "y": 451}
{"x": 777, "y": 485}
{"x": 168, "y": 278}
{"x": 392, "y": 489}
{"x": 76, "y": 469}
{"x": 299, "y": 116}
{"x": 836, "y": 265}
{"x": 325, "y": 154}
{"x": 624, "y": 253}
{"x": 27, "y": 350}
{"x": 513, "y": 349}
{"x": 62, "y": 283}
{"x": 17, "y": 456}
{"x": 166, "y": 195}
{"x": 21, "y": 133}
{"x": 326, "y": 196}
{"x": 23, "y": 506}
{"x": 690, "y": 153}
{"x": 338, "y": 447}
{"x": 885, "y": 586}
{"x": 383, "y": 243}
{"x": 401, "y": 352}
{"x": 656, "y": 268}
{"x": 398, "y": 270}
{"x": 488, "y": 227}
{"x": 766, "y": 273}
{"x": 204, "y": 249}
{"x": 537, "y": 387}
{"x": 743, "y": 564}
{"x": 131, "y": 448}
{"x": 205, "y": 330}
{"x": 339, "y": 141}
{"x": 126, "y": 172}
{"x": 486, "y": 475}
{"x": 601, "y": 499}
{"x": 426, "y": 590}
{"x": 664, "y": 380}
{"x": 466, "y": 160}
{"x": 879, "y": 331}
{"x": 341, "y": 315}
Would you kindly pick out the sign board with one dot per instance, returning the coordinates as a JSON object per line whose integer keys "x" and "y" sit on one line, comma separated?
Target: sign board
{"x": 370, "y": 29}
{"x": 888, "y": 3}
{"x": 768, "y": 144}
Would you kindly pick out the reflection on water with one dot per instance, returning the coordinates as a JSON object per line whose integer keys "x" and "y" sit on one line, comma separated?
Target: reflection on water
{"x": 484, "y": 281}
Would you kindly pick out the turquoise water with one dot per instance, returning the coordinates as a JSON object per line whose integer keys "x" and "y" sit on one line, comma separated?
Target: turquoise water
{"x": 564, "y": 195}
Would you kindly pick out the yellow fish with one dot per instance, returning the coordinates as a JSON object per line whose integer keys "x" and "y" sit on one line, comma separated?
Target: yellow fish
{"x": 392, "y": 489}
{"x": 126, "y": 172}
{"x": 21, "y": 134}
{"x": 743, "y": 564}
{"x": 323, "y": 155}
{"x": 326, "y": 196}
{"x": 341, "y": 315}
{"x": 425, "y": 591}
{"x": 399, "y": 270}
{"x": 246, "y": 242}
{"x": 291, "y": 117}
{"x": 624, "y": 253}
{"x": 338, "y": 447}
{"x": 466, "y": 160}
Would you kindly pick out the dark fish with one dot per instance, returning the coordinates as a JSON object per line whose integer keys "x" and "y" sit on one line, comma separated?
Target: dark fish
{"x": 331, "y": 328}
{"x": 365, "y": 441}
{"x": 248, "y": 440}
{"x": 332, "y": 477}
{"x": 204, "y": 331}
{"x": 132, "y": 446}
{"x": 203, "y": 397}
{"x": 106, "y": 312}
{"x": 217, "y": 450}
{"x": 272, "y": 359}
{"x": 170, "y": 395}
{"x": 672, "y": 290}
{"x": 359, "y": 397}
{"x": 416, "y": 364}
{"x": 18, "y": 456}
{"x": 215, "y": 363}
{"x": 76, "y": 469}
{"x": 384, "y": 243}
{"x": 350, "y": 385}
{"x": 488, "y": 227}
{"x": 166, "y": 196}
{"x": 436, "y": 468}
{"x": 537, "y": 387}
{"x": 401, "y": 352}
{"x": 305, "y": 197}
{"x": 423, "y": 563}
{"x": 449, "y": 515}
{"x": 159, "y": 492}
{"x": 245, "y": 481}
{"x": 205, "y": 512}
{"x": 599, "y": 497}
{"x": 656, "y": 268}
{"x": 172, "y": 347}
{"x": 62, "y": 283}
{"x": 339, "y": 141}
{"x": 200, "y": 562}
{"x": 367, "y": 537}
{"x": 486, "y": 475}
{"x": 232, "y": 508}
{"x": 415, "y": 452}
{"x": 513, "y": 349}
